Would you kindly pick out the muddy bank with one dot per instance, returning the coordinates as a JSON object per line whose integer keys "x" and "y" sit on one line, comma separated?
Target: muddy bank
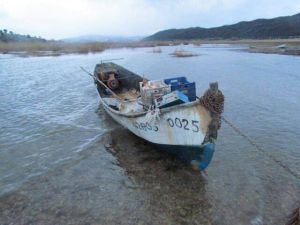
{"x": 295, "y": 50}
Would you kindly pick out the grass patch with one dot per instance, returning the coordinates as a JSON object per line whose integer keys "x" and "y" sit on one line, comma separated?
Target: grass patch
{"x": 59, "y": 48}
{"x": 55, "y": 48}
{"x": 183, "y": 53}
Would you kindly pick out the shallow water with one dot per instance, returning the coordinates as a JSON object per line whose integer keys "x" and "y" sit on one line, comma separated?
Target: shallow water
{"x": 54, "y": 165}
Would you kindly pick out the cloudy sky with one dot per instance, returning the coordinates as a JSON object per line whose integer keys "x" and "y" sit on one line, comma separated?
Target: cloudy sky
{"x": 67, "y": 18}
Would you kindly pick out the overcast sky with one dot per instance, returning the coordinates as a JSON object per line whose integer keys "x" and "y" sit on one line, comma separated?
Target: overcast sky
{"x": 61, "y": 18}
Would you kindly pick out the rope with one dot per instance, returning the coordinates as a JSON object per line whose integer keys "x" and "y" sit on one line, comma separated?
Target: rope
{"x": 152, "y": 116}
{"x": 259, "y": 148}
{"x": 294, "y": 218}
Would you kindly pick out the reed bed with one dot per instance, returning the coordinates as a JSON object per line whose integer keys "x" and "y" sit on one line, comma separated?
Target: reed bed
{"x": 156, "y": 50}
{"x": 288, "y": 50}
{"x": 59, "y": 48}
{"x": 39, "y": 48}
{"x": 183, "y": 53}
{"x": 257, "y": 42}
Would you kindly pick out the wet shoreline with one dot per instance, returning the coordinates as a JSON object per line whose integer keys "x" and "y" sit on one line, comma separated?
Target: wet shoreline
{"x": 154, "y": 188}
{"x": 294, "y": 51}
{"x": 149, "y": 186}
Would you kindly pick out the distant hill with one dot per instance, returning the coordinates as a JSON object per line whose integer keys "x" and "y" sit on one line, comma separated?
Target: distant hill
{"x": 9, "y": 36}
{"x": 101, "y": 38}
{"x": 280, "y": 27}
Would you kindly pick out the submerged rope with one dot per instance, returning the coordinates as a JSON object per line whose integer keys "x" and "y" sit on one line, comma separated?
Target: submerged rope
{"x": 259, "y": 148}
{"x": 294, "y": 218}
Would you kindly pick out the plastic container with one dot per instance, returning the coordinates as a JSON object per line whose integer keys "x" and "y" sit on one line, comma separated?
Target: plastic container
{"x": 153, "y": 90}
{"x": 183, "y": 85}
{"x": 171, "y": 99}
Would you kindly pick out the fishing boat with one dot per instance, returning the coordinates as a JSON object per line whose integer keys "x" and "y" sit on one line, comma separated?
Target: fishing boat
{"x": 166, "y": 113}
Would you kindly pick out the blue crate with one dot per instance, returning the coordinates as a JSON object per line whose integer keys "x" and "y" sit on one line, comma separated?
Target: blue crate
{"x": 183, "y": 85}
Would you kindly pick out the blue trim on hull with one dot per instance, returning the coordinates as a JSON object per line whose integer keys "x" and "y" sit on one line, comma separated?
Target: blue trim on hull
{"x": 200, "y": 156}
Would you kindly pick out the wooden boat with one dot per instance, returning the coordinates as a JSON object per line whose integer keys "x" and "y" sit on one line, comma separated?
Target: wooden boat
{"x": 188, "y": 130}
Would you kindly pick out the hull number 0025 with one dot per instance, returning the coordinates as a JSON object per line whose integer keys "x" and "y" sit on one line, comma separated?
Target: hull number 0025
{"x": 185, "y": 124}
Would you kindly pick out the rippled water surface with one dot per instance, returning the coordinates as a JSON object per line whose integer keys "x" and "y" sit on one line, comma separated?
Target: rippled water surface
{"x": 54, "y": 168}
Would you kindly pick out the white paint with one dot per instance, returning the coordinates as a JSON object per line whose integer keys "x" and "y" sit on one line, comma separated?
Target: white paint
{"x": 179, "y": 125}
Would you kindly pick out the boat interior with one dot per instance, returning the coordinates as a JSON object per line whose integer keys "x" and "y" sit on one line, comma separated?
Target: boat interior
{"x": 127, "y": 92}
{"x": 122, "y": 92}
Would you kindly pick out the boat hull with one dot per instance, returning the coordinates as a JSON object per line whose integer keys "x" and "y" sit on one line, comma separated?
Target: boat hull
{"x": 187, "y": 130}
{"x": 180, "y": 130}
{"x": 181, "y": 125}
{"x": 198, "y": 156}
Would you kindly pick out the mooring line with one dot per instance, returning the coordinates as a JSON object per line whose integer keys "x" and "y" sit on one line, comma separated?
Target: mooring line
{"x": 259, "y": 148}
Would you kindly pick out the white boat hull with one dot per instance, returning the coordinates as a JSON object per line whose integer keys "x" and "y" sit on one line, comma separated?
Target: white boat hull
{"x": 182, "y": 125}
{"x": 187, "y": 130}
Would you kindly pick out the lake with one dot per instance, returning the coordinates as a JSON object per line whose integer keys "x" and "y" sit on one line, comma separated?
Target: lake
{"x": 54, "y": 168}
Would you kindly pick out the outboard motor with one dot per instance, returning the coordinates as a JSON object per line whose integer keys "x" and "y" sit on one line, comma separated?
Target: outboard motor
{"x": 112, "y": 82}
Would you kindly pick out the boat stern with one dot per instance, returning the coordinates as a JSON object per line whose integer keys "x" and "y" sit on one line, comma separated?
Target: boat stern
{"x": 205, "y": 157}
{"x": 199, "y": 157}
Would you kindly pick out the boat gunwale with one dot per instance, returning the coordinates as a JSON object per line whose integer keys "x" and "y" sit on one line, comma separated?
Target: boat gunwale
{"x": 139, "y": 114}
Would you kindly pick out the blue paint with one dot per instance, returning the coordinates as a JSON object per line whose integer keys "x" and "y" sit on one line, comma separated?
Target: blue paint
{"x": 169, "y": 100}
{"x": 208, "y": 152}
{"x": 182, "y": 96}
{"x": 199, "y": 155}
{"x": 183, "y": 85}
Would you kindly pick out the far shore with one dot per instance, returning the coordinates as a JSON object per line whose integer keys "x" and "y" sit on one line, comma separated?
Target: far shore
{"x": 61, "y": 48}
{"x": 267, "y": 46}
{"x": 271, "y": 46}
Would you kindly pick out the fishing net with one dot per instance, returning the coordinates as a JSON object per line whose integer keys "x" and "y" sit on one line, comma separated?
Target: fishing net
{"x": 213, "y": 101}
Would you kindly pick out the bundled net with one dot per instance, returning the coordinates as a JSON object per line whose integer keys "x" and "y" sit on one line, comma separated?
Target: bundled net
{"x": 213, "y": 100}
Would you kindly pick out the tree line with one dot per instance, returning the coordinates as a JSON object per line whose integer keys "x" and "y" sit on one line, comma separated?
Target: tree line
{"x": 9, "y": 36}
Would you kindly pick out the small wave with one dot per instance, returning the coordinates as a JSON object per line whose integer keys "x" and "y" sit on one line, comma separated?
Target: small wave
{"x": 62, "y": 160}
{"x": 89, "y": 142}
{"x": 31, "y": 156}
{"x": 27, "y": 164}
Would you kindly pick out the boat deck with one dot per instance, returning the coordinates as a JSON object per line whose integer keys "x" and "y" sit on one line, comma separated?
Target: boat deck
{"x": 132, "y": 94}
